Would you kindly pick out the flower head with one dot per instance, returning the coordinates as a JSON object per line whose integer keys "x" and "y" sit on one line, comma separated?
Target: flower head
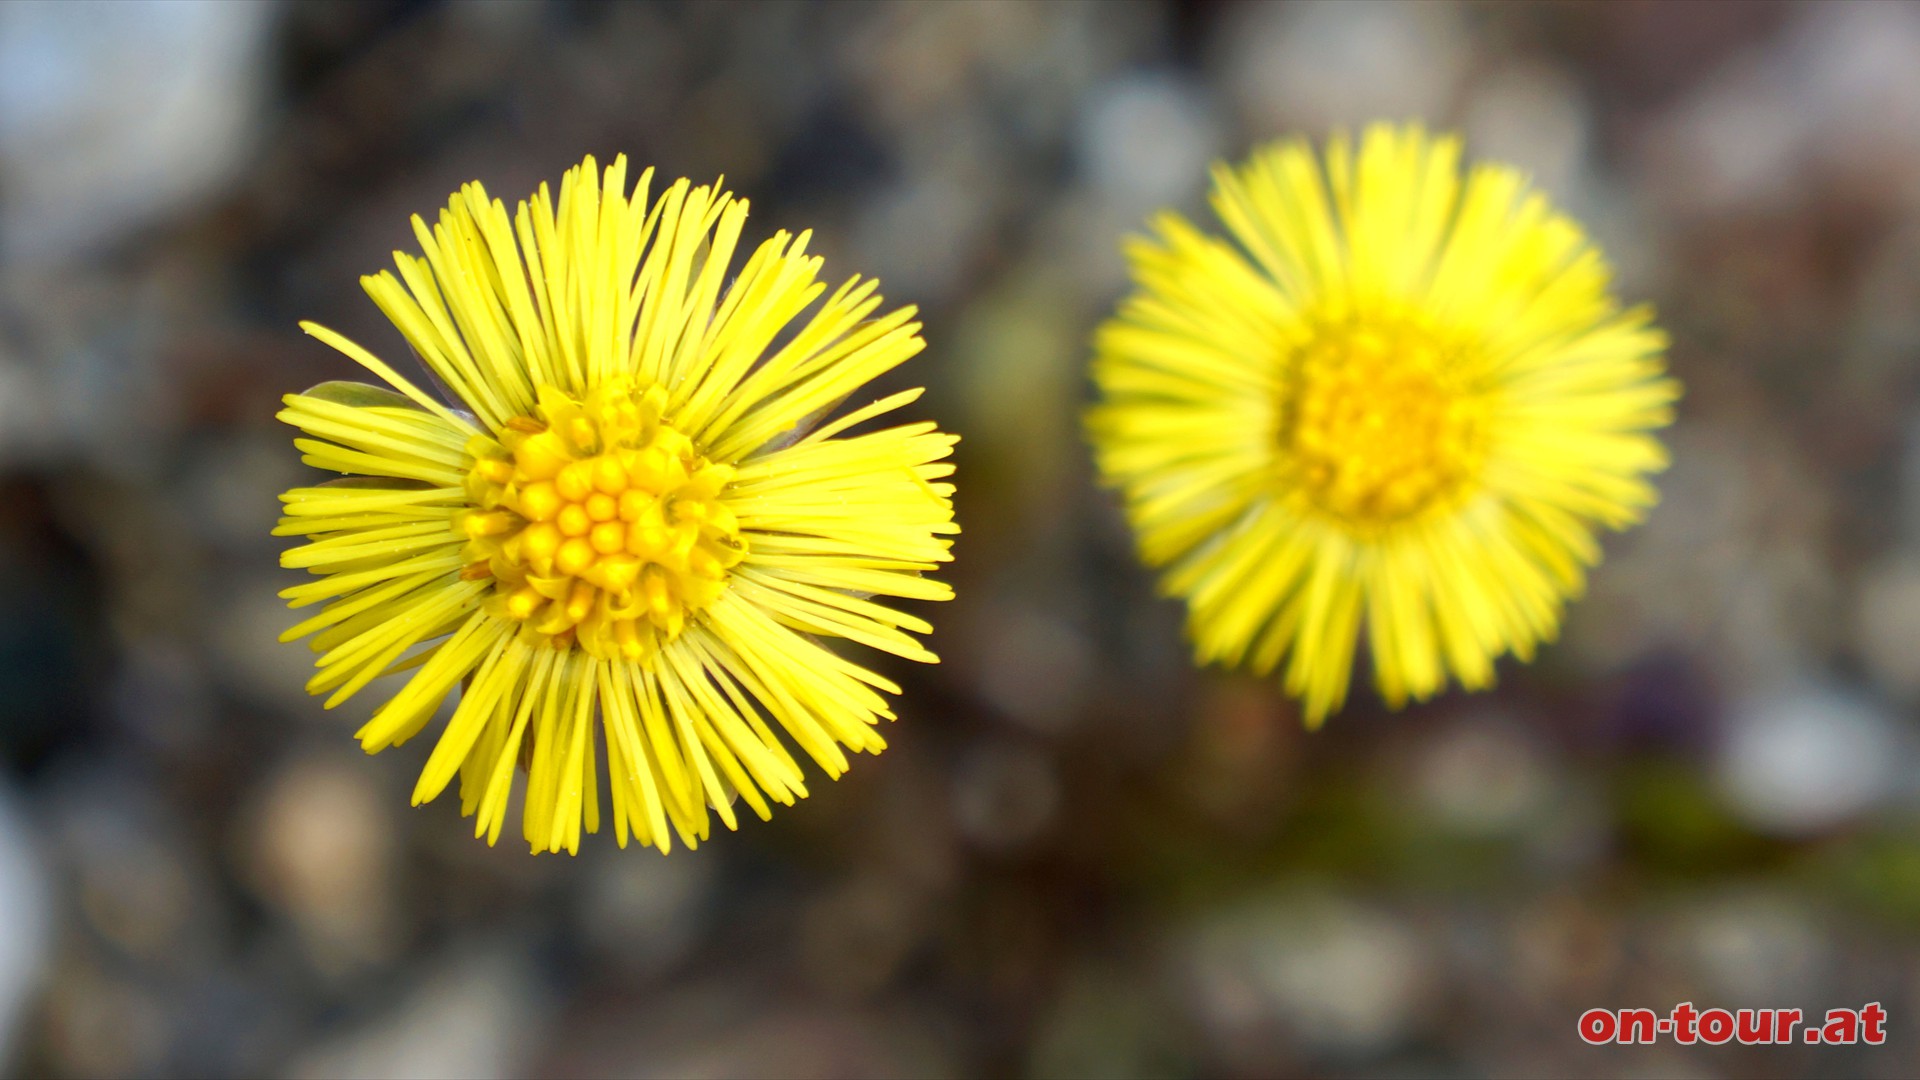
{"x": 633, "y": 528}
{"x": 1403, "y": 402}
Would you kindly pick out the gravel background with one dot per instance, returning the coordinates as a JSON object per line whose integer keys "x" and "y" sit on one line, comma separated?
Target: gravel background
{"x": 1081, "y": 856}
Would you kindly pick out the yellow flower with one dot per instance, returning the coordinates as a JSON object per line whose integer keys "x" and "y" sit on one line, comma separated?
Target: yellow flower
{"x": 636, "y": 519}
{"x": 1405, "y": 400}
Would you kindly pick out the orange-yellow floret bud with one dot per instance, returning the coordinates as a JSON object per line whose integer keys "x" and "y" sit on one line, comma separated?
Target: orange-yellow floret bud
{"x": 608, "y": 476}
{"x": 540, "y": 502}
{"x": 573, "y": 520}
{"x": 575, "y": 482}
{"x": 575, "y": 555}
{"x": 609, "y": 537}
{"x": 479, "y": 525}
{"x": 654, "y": 586}
{"x": 524, "y": 603}
{"x": 540, "y": 542}
{"x": 580, "y": 601}
{"x": 540, "y": 457}
{"x": 627, "y": 635}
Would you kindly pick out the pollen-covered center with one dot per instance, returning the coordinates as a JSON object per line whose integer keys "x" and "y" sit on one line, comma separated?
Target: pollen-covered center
{"x": 1379, "y": 423}
{"x": 599, "y": 522}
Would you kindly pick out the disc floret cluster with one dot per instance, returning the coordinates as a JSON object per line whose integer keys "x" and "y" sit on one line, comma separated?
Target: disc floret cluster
{"x": 599, "y": 523}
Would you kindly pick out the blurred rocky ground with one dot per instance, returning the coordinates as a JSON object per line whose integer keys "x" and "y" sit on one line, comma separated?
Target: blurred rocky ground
{"x": 1080, "y": 857}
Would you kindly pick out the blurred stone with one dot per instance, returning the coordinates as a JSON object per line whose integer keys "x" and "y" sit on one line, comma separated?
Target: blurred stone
{"x": 1242, "y": 759}
{"x": 52, "y": 616}
{"x": 231, "y": 493}
{"x": 502, "y": 18}
{"x": 81, "y": 379}
{"x": 919, "y": 236}
{"x": 1573, "y": 830}
{"x": 1340, "y": 978}
{"x": 161, "y": 698}
{"x": 1837, "y": 94}
{"x": 1147, "y": 139}
{"x": 1110, "y": 1021}
{"x": 720, "y": 1029}
{"x": 1665, "y": 701}
{"x": 1085, "y": 235}
{"x": 1729, "y": 568}
{"x": 237, "y": 1018}
{"x": 321, "y": 849}
{"x": 99, "y": 1024}
{"x": 1018, "y": 358}
{"x": 1035, "y": 667}
{"x": 1483, "y": 776}
{"x": 1563, "y": 948}
{"x": 855, "y": 938}
{"x": 1886, "y": 624}
{"x": 1533, "y": 115}
{"x": 1859, "y": 66}
{"x": 961, "y": 97}
{"x": 114, "y": 115}
{"x": 1026, "y": 62}
{"x": 912, "y": 836}
{"x": 1733, "y": 142}
{"x": 1810, "y": 758}
{"x": 29, "y": 431}
{"x": 135, "y": 883}
{"x": 1307, "y": 68}
{"x": 1005, "y": 794}
{"x": 1145, "y": 143}
{"x": 1907, "y": 516}
{"x": 1753, "y": 949}
{"x": 26, "y": 929}
{"x": 253, "y": 662}
{"x": 1881, "y": 333}
{"x": 479, "y": 1013}
{"x": 641, "y": 914}
{"x": 915, "y": 64}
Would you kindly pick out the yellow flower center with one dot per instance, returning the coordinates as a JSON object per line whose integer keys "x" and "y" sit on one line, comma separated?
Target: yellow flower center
{"x": 599, "y": 522}
{"x": 1379, "y": 423}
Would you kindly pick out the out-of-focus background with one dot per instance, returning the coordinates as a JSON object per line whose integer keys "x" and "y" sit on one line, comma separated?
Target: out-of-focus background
{"x": 1080, "y": 856}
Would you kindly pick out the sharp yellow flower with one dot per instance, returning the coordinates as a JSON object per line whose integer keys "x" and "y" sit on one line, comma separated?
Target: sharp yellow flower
{"x": 1403, "y": 402}
{"x": 631, "y": 530}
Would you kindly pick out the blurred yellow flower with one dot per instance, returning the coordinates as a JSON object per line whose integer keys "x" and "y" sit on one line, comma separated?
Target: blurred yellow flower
{"x": 1405, "y": 400}
{"x": 635, "y": 519}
